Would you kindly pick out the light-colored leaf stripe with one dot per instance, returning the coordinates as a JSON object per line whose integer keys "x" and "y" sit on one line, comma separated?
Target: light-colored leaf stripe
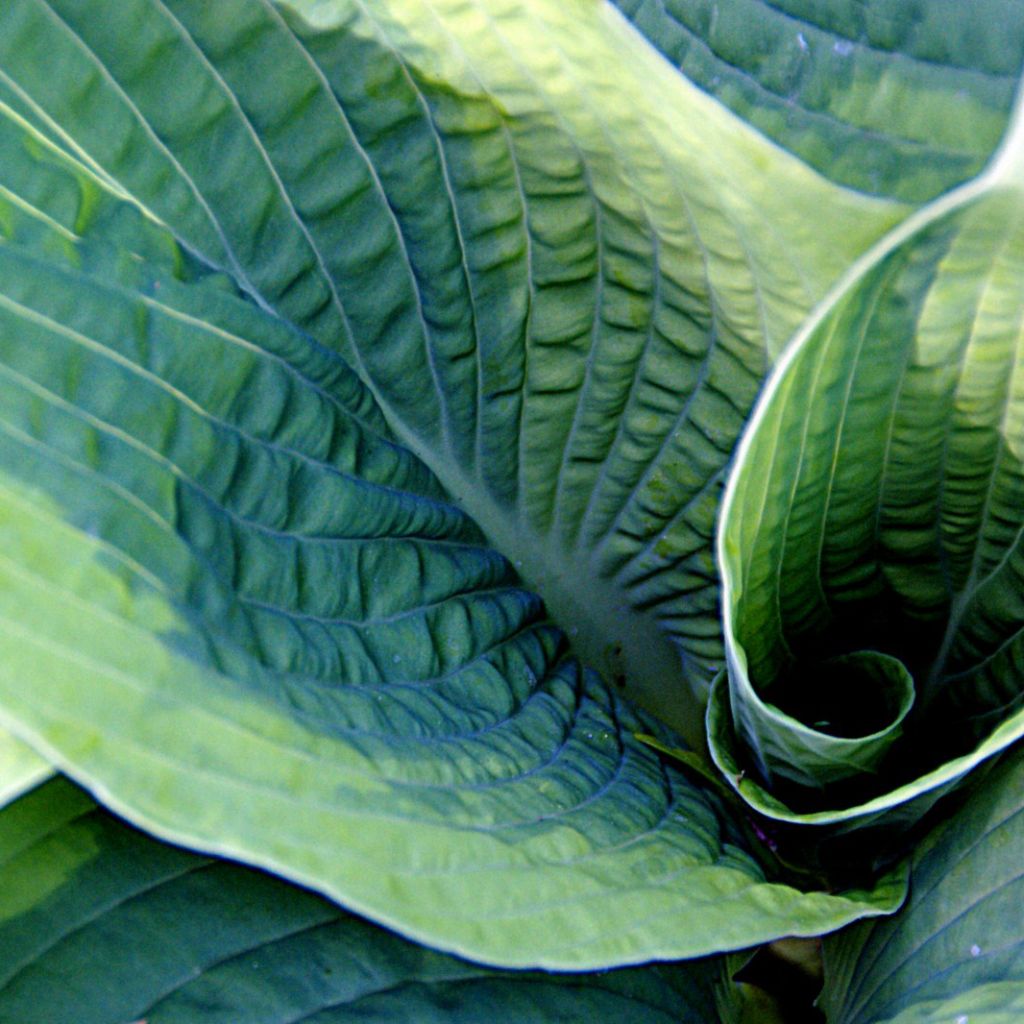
{"x": 883, "y": 98}
{"x": 955, "y": 952}
{"x": 874, "y": 493}
{"x": 586, "y": 320}
{"x": 139, "y": 930}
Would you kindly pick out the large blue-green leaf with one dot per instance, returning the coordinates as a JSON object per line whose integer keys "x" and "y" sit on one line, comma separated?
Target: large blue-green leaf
{"x": 100, "y": 924}
{"x": 955, "y": 954}
{"x": 253, "y": 623}
{"x": 875, "y": 508}
{"x": 246, "y": 596}
{"x": 888, "y": 97}
{"x": 561, "y": 269}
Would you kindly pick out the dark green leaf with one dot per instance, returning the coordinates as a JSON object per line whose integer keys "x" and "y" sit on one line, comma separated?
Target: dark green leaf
{"x": 100, "y": 924}
{"x": 955, "y": 955}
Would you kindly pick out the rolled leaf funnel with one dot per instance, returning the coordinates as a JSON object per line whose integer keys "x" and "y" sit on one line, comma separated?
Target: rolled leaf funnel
{"x": 831, "y": 721}
{"x": 870, "y": 542}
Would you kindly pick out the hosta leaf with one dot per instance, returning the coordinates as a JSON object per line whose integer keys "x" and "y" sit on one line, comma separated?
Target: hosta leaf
{"x": 885, "y": 96}
{"x": 562, "y": 269}
{"x": 236, "y": 604}
{"x": 875, "y": 508}
{"x": 100, "y": 924}
{"x": 956, "y": 953}
{"x": 249, "y": 620}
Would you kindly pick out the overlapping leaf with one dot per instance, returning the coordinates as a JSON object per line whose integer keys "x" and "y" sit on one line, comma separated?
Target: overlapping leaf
{"x": 887, "y": 97}
{"x": 875, "y": 508}
{"x": 956, "y": 952}
{"x": 100, "y": 924}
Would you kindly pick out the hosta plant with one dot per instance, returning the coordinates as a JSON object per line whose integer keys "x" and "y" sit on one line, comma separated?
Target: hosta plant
{"x": 542, "y": 477}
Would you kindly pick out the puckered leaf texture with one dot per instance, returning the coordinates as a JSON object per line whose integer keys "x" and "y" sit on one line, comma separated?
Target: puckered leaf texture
{"x": 561, "y": 269}
{"x": 314, "y": 327}
{"x": 253, "y": 623}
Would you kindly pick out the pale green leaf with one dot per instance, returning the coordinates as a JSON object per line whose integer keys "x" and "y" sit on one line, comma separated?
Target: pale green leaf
{"x": 246, "y": 596}
{"x": 21, "y": 768}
